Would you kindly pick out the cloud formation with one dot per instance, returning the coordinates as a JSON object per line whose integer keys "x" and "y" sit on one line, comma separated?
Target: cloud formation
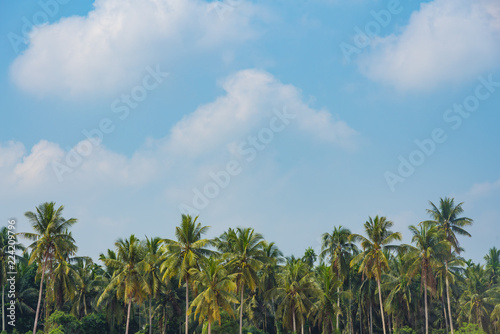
{"x": 444, "y": 42}
{"x": 109, "y": 48}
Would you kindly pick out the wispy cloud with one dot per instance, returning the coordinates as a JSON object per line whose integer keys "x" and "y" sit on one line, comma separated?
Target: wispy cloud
{"x": 444, "y": 42}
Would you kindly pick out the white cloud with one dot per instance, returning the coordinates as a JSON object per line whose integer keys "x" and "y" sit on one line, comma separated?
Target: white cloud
{"x": 479, "y": 190}
{"x": 444, "y": 42}
{"x": 108, "y": 49}
{"x": 251, "y": 98}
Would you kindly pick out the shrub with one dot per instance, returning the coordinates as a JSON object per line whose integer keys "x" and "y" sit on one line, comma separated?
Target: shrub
{"x": 405, "y": 330}
{"x": 470, "y": 329}
{"x": 94, "y": 324}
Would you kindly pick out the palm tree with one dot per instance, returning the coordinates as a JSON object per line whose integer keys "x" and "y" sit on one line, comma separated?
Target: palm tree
{"x": 217, "y": 288}
{"x": 338, "y": 248}
{"x": 152, "y": 260}
{"x": 245, "y": 257}
{"x": 373, "y": 260}
{"x": 297, "y": 290}
{"x": 493, "y": 266}
{"x": 128, "y": 279}
{"x": 475, "y": 298}
{"x": 88, "y": 286}
{"x": 269, "y": 274}
{"x": 185, "y": 253}
{"x": 309, "y": 257}
{"x": 326, "y": 307}
{"x": 52, "y": 242}
{"x": 430, "y": 248}
{"x": 446, "y": 217}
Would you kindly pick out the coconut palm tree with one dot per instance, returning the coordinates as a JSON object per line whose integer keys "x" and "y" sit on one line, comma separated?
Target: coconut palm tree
{"x": 185, "y": 253}
{"x": 88, "y": 287}
{"x": 446, "y": 217}
{"x": 269, "y": 274}
{"x": 326, "y": 308}
{"x": 217, "y": 287}
{"x": 373, "y": 261}
{"x": 338, "y": 248}
{"x": 297, "y": 290}
{"x": 52, "y": 242}
{"x": 430, "y": 248}
{"x": 153, "y": 273}
{"x": 245, "y": 255}
{"x": 493, "y": 266}
{"x": 128, "y": 280}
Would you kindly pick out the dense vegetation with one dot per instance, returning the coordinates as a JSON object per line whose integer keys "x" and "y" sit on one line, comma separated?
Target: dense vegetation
{"x": 241, "y": 283}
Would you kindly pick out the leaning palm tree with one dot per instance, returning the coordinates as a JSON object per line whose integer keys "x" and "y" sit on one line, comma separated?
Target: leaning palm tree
{"x": 52, "y": 242}
{"x": 128, "y": 280}
{"x": 373, "y": 261}
{"x": 430, "y": 248}
{"x": 217, "y": 287}
{"x": 245, "y": 257}
{"x": 338, "y": 249}
{"x": 185, "y": 253}
{"x": 446, "y": 217}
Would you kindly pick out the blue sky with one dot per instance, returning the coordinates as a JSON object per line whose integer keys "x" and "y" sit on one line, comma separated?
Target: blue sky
{"x": 287, "y": 116}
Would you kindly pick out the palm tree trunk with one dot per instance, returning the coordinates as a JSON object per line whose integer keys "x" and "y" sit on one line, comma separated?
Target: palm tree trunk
{"x": 209, "y": 326}
{"x": 241, "y": 309}
{"x": 293, "y": 319}
{"x": 128, "y": 315}
{"x": 187, "y": 305}
{"x": 425, "y": 305}
{"x": 150, "y": 317}
{"x": 3, "y": 307}
{"x": 448, "y": 297}
{"x": 84, "y": 305}
{"x": 40, "y": 295}
{"x": 381, "y": 305}
{"x": 302, "y": 330}
{"x": 338, "y": 305}
{"x": 445, "y": 313}
{"x": 371, "y": 317}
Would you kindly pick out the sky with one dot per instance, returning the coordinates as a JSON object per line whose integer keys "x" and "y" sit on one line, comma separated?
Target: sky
{"x": 290, "y": 117}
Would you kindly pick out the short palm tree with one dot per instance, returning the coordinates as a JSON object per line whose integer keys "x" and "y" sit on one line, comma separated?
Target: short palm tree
{"x": 446, "y": 217}
{"x": 430, "y": 248}
{"x": 128, "y": 280}
{"x": 217, "y": 287}
{"x": 373, "y": 261}
{"x": 493, "y": 266}
{"x": 52, "y": 242}
{"x": 185, "y": 253}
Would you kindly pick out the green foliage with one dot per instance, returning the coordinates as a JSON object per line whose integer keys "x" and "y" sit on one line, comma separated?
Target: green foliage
{"x": 405, "y": 330}
{"x": 58, "y": 330}
{"x": 59, "y": 320}
{"x": 94, "y": 324}
{"x": 470, "y": 329}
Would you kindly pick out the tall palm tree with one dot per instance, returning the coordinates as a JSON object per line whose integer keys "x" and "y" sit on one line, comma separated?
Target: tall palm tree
{"x": 185, "y": 253}
{"x": 245, "y": 258}
{"x": 373, "y": 261}
{"x": 217, "y": 287}
{"x": 446, "y": 217}
{"x": 52, "y": 241}
{"x": 338, "y": 248}
{"x": 297, "y": 290}
{"x": 128, "y": 280}
{"x": 269, "y": 275}
{"x": 430, "y": 248}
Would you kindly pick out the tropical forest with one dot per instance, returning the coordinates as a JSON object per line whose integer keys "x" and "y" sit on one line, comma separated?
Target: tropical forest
{"x": 240, "y": 282}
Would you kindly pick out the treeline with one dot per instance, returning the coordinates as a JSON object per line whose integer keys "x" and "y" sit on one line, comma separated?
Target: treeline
{"x": 241, "y": 283}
